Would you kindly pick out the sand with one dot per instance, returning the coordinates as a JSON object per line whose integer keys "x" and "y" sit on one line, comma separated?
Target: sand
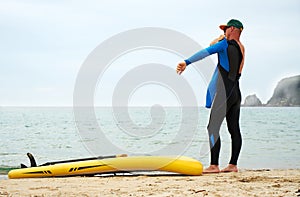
{"x": 244, "y": 183}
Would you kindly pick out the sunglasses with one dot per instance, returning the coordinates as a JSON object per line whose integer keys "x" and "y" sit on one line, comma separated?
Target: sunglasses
{"x": 226, "y": 28}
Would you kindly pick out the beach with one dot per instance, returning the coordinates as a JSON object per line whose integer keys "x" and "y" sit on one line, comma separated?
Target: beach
{"x": 265, "y": 182}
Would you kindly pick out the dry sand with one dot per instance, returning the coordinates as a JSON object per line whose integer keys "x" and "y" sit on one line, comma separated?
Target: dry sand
{"x": 244, "y": 183}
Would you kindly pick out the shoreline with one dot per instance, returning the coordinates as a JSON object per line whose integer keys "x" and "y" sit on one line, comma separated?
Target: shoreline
{"x": 259, "y": 182}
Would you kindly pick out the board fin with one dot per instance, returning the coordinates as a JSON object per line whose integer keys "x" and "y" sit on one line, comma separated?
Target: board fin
{"x": 23, "y": 166}
{"x": 32, "y": 160}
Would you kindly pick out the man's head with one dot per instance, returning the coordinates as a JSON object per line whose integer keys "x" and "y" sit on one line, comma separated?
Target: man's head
{"x": 232, "y": 29}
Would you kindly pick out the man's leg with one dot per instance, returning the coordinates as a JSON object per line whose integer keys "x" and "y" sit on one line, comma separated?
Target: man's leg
{"x": 217, "y": 116}
{"x": 232, "y": 119}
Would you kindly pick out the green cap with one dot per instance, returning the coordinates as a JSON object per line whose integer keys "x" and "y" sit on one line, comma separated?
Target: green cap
{"x": 233, "y": 23}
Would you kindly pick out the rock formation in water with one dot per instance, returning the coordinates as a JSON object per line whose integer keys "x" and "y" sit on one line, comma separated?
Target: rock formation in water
{"x": 252, "y": 101}
{"x": 286, "y": 93}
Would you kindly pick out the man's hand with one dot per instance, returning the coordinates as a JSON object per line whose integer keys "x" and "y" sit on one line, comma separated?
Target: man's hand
{"x": 181, "y": 67}
{"x": 221, "y": 37}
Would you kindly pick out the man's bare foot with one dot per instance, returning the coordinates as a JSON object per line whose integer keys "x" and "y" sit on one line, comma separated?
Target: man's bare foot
{"x": 230, "y": 168}
{"x": 212, "y": 169}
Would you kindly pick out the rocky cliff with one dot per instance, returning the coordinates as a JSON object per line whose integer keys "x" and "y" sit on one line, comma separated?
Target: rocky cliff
{"x": 286, "y": 93}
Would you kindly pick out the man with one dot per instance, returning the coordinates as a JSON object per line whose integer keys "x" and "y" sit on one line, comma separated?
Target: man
{"x": 223, "y": 95}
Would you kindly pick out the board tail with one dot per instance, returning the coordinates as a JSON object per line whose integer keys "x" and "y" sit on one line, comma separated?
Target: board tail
{"x": 33, "y": 162}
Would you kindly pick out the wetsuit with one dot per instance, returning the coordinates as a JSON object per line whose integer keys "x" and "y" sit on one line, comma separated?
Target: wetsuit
{"x": 223, "y": 96}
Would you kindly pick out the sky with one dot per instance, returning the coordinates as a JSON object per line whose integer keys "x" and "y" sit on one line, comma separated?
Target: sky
{"x": 43, "y": 45}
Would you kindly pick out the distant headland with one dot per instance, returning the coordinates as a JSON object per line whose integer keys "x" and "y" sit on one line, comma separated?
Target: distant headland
{"x": 286, "y": 94}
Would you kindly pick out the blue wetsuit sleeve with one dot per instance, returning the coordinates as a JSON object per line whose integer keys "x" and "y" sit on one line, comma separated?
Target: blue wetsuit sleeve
{"x": 207, "y": 51}
{"x": 187, "y": 62}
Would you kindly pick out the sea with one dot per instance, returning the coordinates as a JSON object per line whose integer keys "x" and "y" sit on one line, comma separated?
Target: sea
{"x": 271, "y": 135}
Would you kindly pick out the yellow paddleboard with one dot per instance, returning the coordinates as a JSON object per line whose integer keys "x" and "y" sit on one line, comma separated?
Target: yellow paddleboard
{"x": 178, "y": 164}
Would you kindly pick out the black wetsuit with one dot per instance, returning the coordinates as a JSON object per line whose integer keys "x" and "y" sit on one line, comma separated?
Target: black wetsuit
{"x": 227, "y": 104}
{"x": 223, "y": 95}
